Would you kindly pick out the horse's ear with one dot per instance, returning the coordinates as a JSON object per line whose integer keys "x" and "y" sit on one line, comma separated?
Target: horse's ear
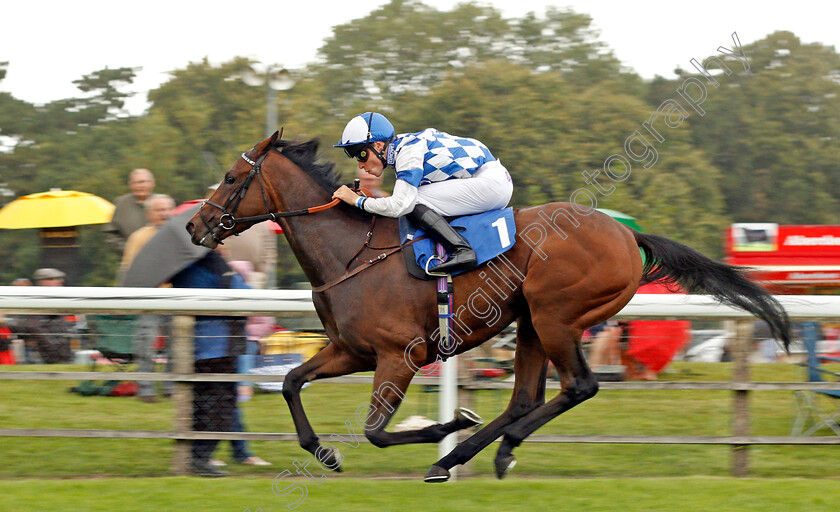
{"x": 273, "y": 139}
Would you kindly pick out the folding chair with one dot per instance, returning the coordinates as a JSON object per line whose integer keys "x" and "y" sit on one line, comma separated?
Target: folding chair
{"x": 810, "y": 410}
{"x": 113, "y": 337}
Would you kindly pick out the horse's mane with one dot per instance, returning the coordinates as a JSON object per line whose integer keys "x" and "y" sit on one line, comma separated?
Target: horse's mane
{"x": 305, "y": 156}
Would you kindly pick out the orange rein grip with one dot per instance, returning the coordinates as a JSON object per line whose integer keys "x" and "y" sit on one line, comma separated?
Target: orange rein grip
{"x": 323, "y": 207}
{"x": 334, "y": 202}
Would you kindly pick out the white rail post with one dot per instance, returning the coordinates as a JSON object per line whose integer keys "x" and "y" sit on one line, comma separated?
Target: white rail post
{"x": 448, "y": 401}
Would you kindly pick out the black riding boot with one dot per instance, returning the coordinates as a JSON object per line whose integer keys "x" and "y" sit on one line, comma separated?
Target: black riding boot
{"x": 461, "y": 255}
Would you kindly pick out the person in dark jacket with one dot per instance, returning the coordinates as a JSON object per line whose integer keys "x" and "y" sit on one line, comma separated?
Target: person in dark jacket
{"x": 218, "y": 342}
{"x": 48, "y": 336}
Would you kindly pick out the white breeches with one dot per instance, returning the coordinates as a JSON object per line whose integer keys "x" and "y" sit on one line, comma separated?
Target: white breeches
{"x": 490, "y": 188}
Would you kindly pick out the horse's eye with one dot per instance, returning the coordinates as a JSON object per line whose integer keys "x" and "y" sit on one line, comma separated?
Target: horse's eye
{"x": 229, "y": 180}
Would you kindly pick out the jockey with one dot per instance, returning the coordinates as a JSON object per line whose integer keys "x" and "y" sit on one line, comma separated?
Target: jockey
{"x": 437, "y": 175}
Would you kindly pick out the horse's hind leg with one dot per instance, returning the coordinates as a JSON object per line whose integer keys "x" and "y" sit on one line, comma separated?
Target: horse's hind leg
{"x": 578, "y": 383}
{"x": 530, "y": 366}
{"x": 329, "y": 362}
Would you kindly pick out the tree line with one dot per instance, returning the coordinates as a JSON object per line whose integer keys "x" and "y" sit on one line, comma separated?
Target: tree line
{"x": 550, "y": 100}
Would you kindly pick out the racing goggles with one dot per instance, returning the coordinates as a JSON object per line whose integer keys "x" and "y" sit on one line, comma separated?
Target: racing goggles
{"x": 360, "y": 152}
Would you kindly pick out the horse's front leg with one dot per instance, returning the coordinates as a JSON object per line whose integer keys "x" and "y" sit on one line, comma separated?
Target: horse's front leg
{"x": 390, "y": 382}
{"x": 329, "y": 362}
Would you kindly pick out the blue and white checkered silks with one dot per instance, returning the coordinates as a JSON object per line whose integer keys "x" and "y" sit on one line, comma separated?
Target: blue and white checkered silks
{"x": 431, "y": 156}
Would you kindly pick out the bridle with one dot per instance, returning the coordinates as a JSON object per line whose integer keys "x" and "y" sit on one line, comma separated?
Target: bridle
{"x": 227, "y": 221}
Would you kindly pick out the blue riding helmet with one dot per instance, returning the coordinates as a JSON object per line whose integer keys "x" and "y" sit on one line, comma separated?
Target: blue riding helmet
{"x": 364, "y": 129}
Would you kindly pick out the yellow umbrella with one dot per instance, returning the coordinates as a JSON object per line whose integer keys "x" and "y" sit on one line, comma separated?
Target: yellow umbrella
{"x": 56, "y": 208}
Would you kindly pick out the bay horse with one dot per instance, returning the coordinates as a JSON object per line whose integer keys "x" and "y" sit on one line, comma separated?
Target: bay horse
{"x": 566, "y": 272}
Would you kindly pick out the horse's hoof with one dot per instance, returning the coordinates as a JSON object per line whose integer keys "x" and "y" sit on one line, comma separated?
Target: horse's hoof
{"x": 436, "y": 475}
{"x": 467, "y": 418}
{"x": 504, "y": 465}
{"x": 331, "y": 459}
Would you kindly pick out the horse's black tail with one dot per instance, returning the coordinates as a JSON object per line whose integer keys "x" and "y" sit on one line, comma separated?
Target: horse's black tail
{"x": 673, "y": 262}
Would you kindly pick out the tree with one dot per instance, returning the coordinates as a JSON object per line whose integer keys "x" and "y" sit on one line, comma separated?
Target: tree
{"x": 773, "y": 131}
{"x": 552, "y": 132}
{"x": 66, "y": 144}
{"x": 549, "y": 100}
{"x": 205, "y": 117}
{"x": 57, "y": 144}
{"x": 407, "y": 46}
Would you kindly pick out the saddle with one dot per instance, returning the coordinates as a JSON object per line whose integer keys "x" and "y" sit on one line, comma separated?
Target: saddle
{"x": 490, "y": 234}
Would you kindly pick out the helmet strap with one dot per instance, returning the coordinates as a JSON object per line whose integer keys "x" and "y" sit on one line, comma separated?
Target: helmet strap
{"x": 380, "y": 155}
{"x": 369, "y": 143}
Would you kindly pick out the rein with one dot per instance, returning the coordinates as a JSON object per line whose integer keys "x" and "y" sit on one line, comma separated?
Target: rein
{"x": 227, "y": 221}
{"x": 366, "y": 264}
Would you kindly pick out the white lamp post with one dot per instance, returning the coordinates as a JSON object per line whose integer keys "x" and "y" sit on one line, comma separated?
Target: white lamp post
{"x": 275, "y": 78}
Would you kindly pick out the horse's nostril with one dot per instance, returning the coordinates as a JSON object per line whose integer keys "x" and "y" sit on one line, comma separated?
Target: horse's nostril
{"x": 190, "y": 228}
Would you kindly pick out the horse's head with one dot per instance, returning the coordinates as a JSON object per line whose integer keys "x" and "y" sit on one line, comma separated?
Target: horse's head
{"x": 241, "y": 200}
{"x": 251, "y": 192}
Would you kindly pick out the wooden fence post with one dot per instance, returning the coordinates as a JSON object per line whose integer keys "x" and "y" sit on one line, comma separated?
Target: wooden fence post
{"x": 741, "y": 405}
{"x": 182, "y": 394}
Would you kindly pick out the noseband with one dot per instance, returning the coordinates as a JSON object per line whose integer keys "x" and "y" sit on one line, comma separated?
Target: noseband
{"x": 227, "y": 221}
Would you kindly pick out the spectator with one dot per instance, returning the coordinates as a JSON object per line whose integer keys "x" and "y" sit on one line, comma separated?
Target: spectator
{"x": 129, "y": 215}
{"x": 605, "y": 350}
{"x": 766, "y": 344}
{"x": 255, "y": 328}
{"x": 257, "y": 245}
{"x": 14, "y": 323}
{"x": 48, "y": 277}
{"x": 48, "y": 336}
{"x": 218, "y": 341}
{"x": 7, "y": 355}
{"x": 158, "y": 208}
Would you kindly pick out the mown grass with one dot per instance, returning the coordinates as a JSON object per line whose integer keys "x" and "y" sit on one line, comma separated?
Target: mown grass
{"x": 48, "y": 404}
{"x": 176, "y": 494}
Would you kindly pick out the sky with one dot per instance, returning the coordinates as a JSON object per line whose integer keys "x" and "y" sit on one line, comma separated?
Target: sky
{"x": 48, "y": 44}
